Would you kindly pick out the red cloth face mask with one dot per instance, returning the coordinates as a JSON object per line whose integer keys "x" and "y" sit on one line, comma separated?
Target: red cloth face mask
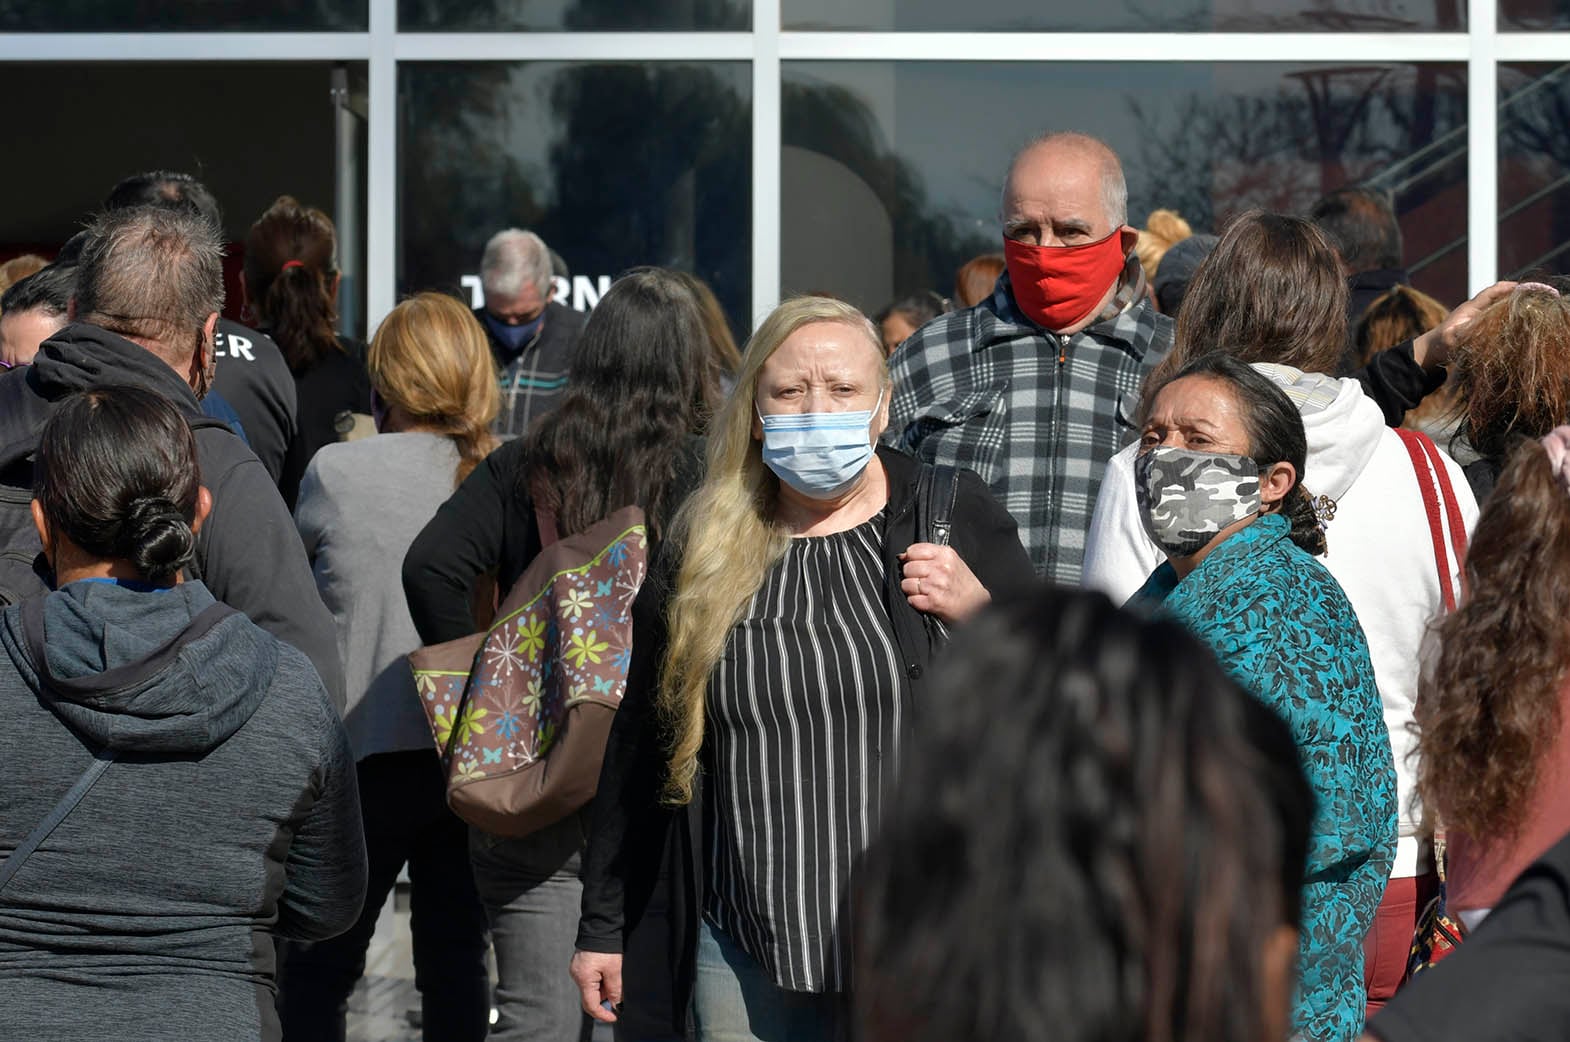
{"x": 1057, "y": 286}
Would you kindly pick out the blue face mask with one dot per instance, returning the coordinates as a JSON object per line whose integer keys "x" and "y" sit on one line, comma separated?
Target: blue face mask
{"x": 819, "y": 454}
{"x": 513, "y": 337}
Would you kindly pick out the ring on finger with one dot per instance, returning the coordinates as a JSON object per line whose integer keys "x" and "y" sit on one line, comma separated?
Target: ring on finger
{"x": 918, "y": 586}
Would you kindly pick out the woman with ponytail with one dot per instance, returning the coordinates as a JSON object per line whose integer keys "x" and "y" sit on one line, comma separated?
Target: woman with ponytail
{"x": 1219, "y": 481}
{"x": 228, "y": 818}
{"x": 362, "y": 503}
{"x": 290, "y": 285}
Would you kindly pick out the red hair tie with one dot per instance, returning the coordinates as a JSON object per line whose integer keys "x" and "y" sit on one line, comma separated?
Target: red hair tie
{"x": 291, "y": 264}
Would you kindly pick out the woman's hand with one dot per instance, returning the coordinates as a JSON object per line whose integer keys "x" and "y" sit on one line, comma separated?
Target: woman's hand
{"x": 598, "y": 976}
{"x": 1432, "y": 349}
{"x": 938, "y": 581}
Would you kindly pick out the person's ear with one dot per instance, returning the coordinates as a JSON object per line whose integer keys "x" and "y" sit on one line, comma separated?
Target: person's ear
{"x": 1278, "y": 977}
{"x": 337, "y": 281}
{"x": 204, "y": 506}
{"x": 41, "y": 524}
{"x": 1275, "y": 481}
{"x": 1130, "y": 238}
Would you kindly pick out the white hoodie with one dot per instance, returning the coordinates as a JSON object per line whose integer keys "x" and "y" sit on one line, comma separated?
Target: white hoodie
{"x": 1380, "y": 547}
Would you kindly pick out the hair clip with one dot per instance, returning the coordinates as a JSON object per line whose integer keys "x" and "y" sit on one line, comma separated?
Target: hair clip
{"x": 1324, "y": 510}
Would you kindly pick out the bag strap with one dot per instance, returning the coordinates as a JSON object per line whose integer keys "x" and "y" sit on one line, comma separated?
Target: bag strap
{"x": 1433, "y": 482}
{"x": 937, "y": 488}
{"x": 101, "y": 761}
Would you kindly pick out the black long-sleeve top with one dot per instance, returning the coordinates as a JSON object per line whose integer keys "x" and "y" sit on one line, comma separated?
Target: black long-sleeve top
{"x": 1396, "y": 383}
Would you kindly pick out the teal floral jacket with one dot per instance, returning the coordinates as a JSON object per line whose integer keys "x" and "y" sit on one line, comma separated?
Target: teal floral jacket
{"x": 1282, "y": 627}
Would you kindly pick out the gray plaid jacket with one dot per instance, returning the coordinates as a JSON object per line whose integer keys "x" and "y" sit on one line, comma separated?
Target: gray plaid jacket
{"x": 1035, "y": 414}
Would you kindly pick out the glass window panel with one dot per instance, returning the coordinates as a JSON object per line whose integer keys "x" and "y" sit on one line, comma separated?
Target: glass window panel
{"x": 98, "y": 16}
{"x": 585, "y": 15}
{"x": 285, "y": 103}
{"x": 892, "y": 170}
{"x": 1534, "y": 169}
{"x": 1368, "y": 16}
{"x": 1534, "y": 14}
{"x": 614, "y": 164}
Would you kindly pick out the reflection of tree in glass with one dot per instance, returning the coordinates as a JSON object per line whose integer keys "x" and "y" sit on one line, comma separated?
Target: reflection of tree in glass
{"x": 1534, "y": 177}
{"x": 178, "y": 15}
{"x": 1534, "y": 14}
{"x": 503, "y": 15}
{"x": 645, "y": 164}
{"x": 652, "y": 165}
{"x": 929, "y": 246}
{"x": 660, "y": 14}
{"x": 460, "y": 183}
{"x": 1210, "y": 157}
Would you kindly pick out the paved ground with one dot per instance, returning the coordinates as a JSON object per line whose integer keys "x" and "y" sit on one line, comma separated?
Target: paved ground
{"x": 379, "y": 1010}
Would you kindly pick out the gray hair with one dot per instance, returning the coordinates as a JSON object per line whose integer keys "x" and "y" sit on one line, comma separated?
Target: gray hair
{"x": 1114, "y": 188}
{"x": 151, "y": 273}
{"x": 512, "y": 260}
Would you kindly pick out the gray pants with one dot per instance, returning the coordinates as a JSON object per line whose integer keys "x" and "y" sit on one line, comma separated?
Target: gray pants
{"x": 531, "y": 894}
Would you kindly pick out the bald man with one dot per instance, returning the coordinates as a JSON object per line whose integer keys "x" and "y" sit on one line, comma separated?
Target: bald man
{"x": 1035, "y": 387}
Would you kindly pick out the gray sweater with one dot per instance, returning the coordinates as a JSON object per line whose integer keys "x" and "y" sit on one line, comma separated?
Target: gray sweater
{"x": 361, "y": 505}
{"x": 229, "y": 815}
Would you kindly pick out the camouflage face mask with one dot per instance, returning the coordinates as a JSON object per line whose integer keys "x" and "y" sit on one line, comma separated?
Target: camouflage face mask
{"x": 1185, "y": 497}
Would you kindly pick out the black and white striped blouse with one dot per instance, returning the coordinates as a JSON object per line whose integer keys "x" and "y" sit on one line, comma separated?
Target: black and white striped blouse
{"x": 805, "y": 714}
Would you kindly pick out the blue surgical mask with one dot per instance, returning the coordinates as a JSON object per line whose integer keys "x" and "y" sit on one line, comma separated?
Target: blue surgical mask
{"x": 513, "y": 337}
{"x": 819, "y": 454}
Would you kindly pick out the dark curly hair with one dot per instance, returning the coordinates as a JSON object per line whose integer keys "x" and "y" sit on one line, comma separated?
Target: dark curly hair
{"x": 1095, "y": 835}
{"x": 638, "y": 387}
{"x": 1489, "y": 709}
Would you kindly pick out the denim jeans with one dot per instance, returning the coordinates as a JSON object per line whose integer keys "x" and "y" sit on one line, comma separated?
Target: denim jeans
{"x": 735, "y": 1000}
{"x": 531, "y": 894}
{"x": 403, "y": 803}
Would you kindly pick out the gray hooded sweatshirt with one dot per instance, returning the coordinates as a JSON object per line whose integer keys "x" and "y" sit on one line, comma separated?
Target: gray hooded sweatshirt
{"x": 229, "y": 815}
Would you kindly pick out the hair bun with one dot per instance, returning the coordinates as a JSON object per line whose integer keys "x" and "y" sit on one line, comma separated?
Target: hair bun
{"x": 158, "y": 537}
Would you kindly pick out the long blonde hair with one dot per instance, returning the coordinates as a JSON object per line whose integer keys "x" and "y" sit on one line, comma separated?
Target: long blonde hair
{"x": 728, "y": 540}
{"x": 430, "y": 358}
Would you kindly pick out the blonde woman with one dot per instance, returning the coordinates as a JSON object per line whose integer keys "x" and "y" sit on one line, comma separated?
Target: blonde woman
{"x": 800, "y": 630}
{"x": 361, "y": 505}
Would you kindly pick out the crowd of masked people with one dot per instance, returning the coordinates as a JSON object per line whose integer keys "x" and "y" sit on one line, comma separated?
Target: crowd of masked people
{"x": 1162, "y": 638}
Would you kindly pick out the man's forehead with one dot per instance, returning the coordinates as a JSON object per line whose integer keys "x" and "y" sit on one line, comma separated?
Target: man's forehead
{"x": 1056, "y": 190}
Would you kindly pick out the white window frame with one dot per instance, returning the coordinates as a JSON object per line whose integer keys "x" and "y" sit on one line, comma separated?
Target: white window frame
{"x": 382, "y": 47}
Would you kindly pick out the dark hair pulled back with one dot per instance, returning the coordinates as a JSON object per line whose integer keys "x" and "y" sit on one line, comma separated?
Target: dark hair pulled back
{"x": 117, "y": 475}
{"x": 291, "y": 280}
{"x": 1275, "y": 435}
